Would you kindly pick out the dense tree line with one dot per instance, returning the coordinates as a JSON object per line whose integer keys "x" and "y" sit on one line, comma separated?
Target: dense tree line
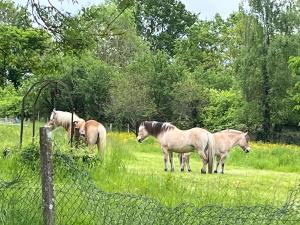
{"x": 126, "y": 61}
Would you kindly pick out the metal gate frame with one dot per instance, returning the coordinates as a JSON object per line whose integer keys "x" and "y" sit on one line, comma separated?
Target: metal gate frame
{"x": 41, "y": 85}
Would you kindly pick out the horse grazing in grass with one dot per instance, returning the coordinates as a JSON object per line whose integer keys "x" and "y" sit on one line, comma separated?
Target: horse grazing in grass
{"x": 173, "y": 139}
{"x": 93, "y": 133}
{"x": 224, "y": 141}
{"x": 61, "y": 118}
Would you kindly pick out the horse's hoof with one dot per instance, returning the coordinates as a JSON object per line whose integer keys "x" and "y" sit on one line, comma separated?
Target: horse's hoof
{"x": 181, "y": 170}
{"x": 189, "y": 170}
{"x": 203, "y": 171}
{"x": 166, "y": 170}
{"x": 222, "y": 172}
{"x": 215, "y": 171}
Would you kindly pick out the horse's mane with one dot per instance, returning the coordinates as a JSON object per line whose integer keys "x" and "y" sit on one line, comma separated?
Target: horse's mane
{"x": 154, "y": 128}
{"x": 230, "y": 131}
{"x": 235, "y": 132}
{"x": 62, "y": 118}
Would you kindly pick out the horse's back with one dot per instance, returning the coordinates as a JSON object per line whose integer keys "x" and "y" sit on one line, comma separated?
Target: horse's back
{"x": 185, "y": 140}
{"x": 92, "y": 130}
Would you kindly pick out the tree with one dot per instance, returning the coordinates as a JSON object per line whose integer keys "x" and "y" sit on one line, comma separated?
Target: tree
{"x": 203, "y": 45}
{"x": 162, "y": 22}
{"x": 130, "y": 100}
{"x": 14, "y": 15}
{"x": 259, "y": 60}
{"x": 22, "y": 50}
{"x": 189, "y": 99}
{"x": 223, "y": 110}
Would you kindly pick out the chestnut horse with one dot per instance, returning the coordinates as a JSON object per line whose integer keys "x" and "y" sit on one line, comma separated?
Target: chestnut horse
{"x": 93, "y": 133}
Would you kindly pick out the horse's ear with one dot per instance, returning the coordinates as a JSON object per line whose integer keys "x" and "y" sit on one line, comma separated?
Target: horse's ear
{"x": 246, "y": 133}
{"x": 54, "y": 110}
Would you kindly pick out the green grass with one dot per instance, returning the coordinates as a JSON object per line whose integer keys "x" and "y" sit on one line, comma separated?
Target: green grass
{"x": 264, "y": 176}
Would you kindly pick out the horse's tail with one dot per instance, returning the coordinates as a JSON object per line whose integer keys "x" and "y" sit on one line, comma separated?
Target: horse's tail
{"x": 210, "y": 152}
{"x": 101, "y": 139}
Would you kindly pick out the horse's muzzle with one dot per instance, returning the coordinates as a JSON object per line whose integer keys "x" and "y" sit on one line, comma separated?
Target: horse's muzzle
{"x": 247, "y": 150}
{"x": 140, "y": 140}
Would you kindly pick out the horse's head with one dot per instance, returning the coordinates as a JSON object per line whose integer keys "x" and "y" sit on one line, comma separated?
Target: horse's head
{"x": 142, "y": 132}
{"x": 80, "y": 124}
{"x": 51, "y": 122}
{"x": 244, "y": 142}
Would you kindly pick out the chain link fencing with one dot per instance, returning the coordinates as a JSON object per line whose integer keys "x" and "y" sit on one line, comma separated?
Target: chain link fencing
{"x": 77, "y": 200}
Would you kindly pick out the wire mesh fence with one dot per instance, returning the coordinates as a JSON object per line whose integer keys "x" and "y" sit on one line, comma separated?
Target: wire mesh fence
{"x": 77, "y": 200}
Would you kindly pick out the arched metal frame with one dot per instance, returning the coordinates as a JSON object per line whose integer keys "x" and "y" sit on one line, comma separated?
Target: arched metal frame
{"x": 42, "y": 85}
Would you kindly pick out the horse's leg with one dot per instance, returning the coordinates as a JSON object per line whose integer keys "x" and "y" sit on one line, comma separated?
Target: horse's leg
{"x": 166, "y": 155}
{"x": 223, "y": 162}
{"x": 218, "y": 162}
{"x": 181, "y": 158}
{"x": 188, "y": 163}
{"x": 171, "y": 161}
{"x": 204, "y": 160}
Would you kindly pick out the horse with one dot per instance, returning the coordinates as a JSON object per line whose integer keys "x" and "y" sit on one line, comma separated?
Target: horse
{"x": 224, "y": 141}
{"x": 173, "y": 139}
{"x": 93, "y": 133}
{"x": 62, "y": 118}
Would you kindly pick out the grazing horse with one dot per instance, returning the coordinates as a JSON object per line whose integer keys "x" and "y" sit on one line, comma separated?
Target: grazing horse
{"x": 224, "y": 141}
{"x": 173, "y": 139}
{"x": 61, "y": 118}
{"x": 93, "y": 133}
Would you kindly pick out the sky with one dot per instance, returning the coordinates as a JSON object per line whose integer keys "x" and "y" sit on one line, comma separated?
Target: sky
{"x": 206, "y": 8}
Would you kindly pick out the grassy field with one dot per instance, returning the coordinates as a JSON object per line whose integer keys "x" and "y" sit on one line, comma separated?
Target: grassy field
{"x": 264, "y": 176}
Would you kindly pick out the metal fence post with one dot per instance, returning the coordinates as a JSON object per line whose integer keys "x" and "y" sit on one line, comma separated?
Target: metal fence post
{"x": 76, "y": 137}
{"x": 47, "y": 175}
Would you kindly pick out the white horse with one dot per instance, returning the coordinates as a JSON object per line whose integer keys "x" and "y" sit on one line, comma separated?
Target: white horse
{"x": 93, "y": 133}
{"x": 224, "y": 141}
{"x": 173, "y": 139}
{"x": 61, "y": 118}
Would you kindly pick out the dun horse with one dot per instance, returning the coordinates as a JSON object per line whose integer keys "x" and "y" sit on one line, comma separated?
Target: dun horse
{"x": 61, "y": 118}
{"x": 94, "y": 133}
{"x": 173, "y": 139}
{"x": 224, "y": 141}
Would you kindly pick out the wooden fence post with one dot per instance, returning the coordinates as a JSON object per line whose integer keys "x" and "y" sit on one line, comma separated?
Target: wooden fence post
{"x": 110, "y": 126}
{"x": 128, "y": 128}
{"x": 47, "y": 175}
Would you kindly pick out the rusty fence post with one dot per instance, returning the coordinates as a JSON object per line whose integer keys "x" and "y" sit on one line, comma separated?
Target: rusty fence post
{"x": 47, "y": 175}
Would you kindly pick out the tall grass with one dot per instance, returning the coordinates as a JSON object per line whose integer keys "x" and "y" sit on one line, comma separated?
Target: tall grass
{"x": 263, "y": 176}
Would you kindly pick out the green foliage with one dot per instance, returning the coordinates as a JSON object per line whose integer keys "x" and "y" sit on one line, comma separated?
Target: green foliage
{"x": 10, "y": 101}
{"x": 223, "y": 110}
{"x": 14, "y": 15}
{"x": 130, "y": 99}
{"x": 189, "y": 100}
{"x": 203, "y": 45}
{"x": 162, "y": 22}
{"x": 21, "y": 51}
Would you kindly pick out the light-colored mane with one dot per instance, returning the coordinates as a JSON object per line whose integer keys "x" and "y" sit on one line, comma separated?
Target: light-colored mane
{"x": 62, "y": 118}
{"x": 230, "y": 131}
